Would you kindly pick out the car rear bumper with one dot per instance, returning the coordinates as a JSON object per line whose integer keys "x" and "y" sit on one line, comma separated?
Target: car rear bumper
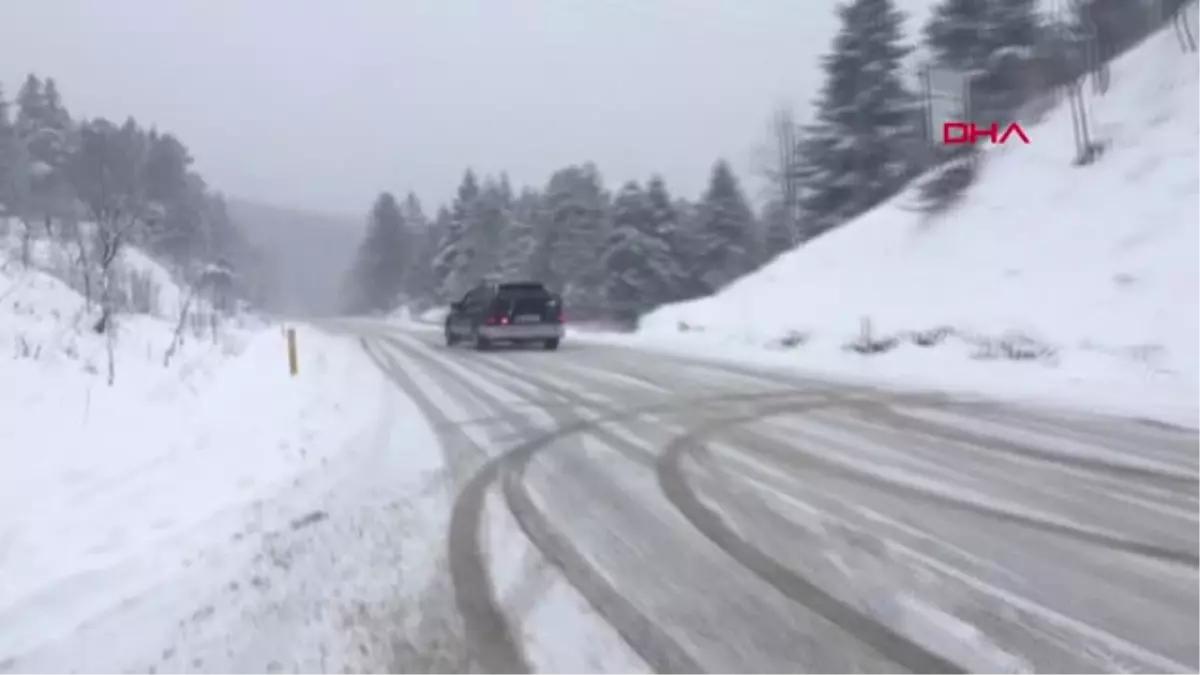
{"x": 544, "y": 331}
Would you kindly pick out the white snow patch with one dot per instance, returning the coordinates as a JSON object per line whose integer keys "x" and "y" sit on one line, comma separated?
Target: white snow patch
{"x": 566, "y": 636}
{"x": 435, "y": 316}
{"x": 956, "y": 640}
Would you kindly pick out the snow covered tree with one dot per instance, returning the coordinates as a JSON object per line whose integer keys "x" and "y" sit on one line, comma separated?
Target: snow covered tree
{"x": 452, "y": 264}
{"x": 12, "y": 164}
{"x": 414, "y": 212}
{"x": 488, "y": 229}
{"x": 779, "y": 167}
{"x": 424, "y": 284}
{"x": 863, "y": 145}
{"x": 133, "y": 187}
{"x": 577, "y": 222}
{"x": 1015, "y": 25}
{"x": 638, "y": 262}
{"x": 518, "y": 252}
{"x": 726, "y": 236}
{"x": 419, "y": 285}
{"x": 779, "y": 228}
{"x": 108, "y": 173}
{"x": 673, "y": 221}
{"x": 380, "y": 267}
{"x": 959, "y": 34}
{"x": 184, "y": 232}
{"x": 680, "y": 220}
{"x": 990, "y": 41}
{"x": 46, "y": 134}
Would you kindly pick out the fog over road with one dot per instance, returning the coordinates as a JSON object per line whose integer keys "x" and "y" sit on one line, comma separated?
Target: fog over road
{"x": 722, "y": 518}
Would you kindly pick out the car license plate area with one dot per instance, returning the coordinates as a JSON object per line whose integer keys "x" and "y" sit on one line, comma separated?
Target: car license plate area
{"x": 527, "y": 318}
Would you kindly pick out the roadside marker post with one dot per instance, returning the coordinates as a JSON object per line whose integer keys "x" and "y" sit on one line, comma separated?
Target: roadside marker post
{"x": 293, "y": 362}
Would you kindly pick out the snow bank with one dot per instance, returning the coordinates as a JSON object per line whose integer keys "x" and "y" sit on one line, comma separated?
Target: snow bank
{"x": 435, "y": 315}
{"x": 1088, "y": 275}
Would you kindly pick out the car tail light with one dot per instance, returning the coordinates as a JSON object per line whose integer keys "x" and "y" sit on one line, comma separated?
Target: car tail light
{"x": 497, "y": 320}
{"x": 561, "y": 318}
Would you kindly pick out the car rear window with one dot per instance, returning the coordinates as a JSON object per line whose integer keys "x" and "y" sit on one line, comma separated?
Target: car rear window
{"x": 522, "y": 304}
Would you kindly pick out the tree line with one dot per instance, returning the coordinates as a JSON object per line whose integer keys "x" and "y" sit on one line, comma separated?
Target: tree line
{"x": 609, "y": 252}
{"x": 98, "y": 187}
{"x": 624, "y": 251}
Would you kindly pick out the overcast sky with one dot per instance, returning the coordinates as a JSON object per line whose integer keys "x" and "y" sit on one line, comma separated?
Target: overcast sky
{"x": 323, "y": 103}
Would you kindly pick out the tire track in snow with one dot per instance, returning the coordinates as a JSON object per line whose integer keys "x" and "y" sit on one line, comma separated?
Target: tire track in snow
{"x": 488, "y": 636}
{"x": 489, "y": 631}
{"x": 674, "y": 482}
{"x": 885, "y": 641}
{"x": 644, "y": 636}
{"x": 914, "y": 423}
{"x": 872, "y": 632}
{"x": 603, "y": 400}
{"x": 807, "y": 460}
{"x": 535, "y": 577}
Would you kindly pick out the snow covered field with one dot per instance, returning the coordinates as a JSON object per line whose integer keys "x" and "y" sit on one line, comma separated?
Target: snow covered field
{"x": 1095, "y": 268}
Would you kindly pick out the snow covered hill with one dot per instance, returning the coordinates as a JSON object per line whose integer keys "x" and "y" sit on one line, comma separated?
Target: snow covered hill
{"x": 125, "y": 511}
{"x": 1089, "y": 272}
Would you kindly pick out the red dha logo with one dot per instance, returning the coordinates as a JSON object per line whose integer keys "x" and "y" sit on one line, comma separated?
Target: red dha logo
{"x": 958, "y": 133}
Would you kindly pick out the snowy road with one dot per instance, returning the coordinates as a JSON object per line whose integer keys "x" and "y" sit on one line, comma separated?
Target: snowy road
{"x": 721, "y": 519}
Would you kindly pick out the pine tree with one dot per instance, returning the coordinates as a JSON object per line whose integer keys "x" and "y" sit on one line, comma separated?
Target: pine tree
{"x": 418, "y": 258}
{"x": 726, "y": 241}
{"x": 185, "y": 231}
{"x": 454, "y": 262}
{"x": 31, "y": 104}
{"x": 1016, "y": 25}
{"x": 862, "y": 148}
{"x": 43, "y": 124}
{"x": 778, "y": 229}
{"x": 45, "y": 131}
{"x": 667, "y": 218}
{"x": 576, "y": 212}
{"x": 414, "y": 213}
{"x": 381, "y": 261}
{"x": 489, "y": 228}
{"x": 518, "y": 254}
{"x": 989, "y": 41}
{"x": 684, "y": 236}
{"x": 108, "y": 173}
{"x": 422, "y": 281}
{"x": 639, "y": 266}
{"x": 958, "y": 33}
{"x": 12, "y": 163}
{"x": 426, "y": 272}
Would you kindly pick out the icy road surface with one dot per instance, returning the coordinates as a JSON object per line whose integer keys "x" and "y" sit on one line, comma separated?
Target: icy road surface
{"x": 731, "y": 520}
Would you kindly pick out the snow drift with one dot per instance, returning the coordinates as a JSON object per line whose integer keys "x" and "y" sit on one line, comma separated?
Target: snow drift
{"x": 1088, "y": 272}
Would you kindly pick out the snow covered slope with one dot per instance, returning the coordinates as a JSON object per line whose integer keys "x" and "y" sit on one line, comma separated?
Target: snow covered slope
{"x": 134, "y": 518}
{"x": 1095, "y": 267}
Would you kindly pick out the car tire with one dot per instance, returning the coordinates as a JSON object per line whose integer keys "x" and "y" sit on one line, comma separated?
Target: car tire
{"x": 482, "y": 344}
{"x": 551, "y": 344}
{"x": 450, "y": 339}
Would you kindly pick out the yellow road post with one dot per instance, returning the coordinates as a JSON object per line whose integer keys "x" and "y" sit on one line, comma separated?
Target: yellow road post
{"x": 293, "y": 362}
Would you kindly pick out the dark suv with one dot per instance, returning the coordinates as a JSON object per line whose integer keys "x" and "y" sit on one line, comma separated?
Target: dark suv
{"x": 524, "y": 312}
